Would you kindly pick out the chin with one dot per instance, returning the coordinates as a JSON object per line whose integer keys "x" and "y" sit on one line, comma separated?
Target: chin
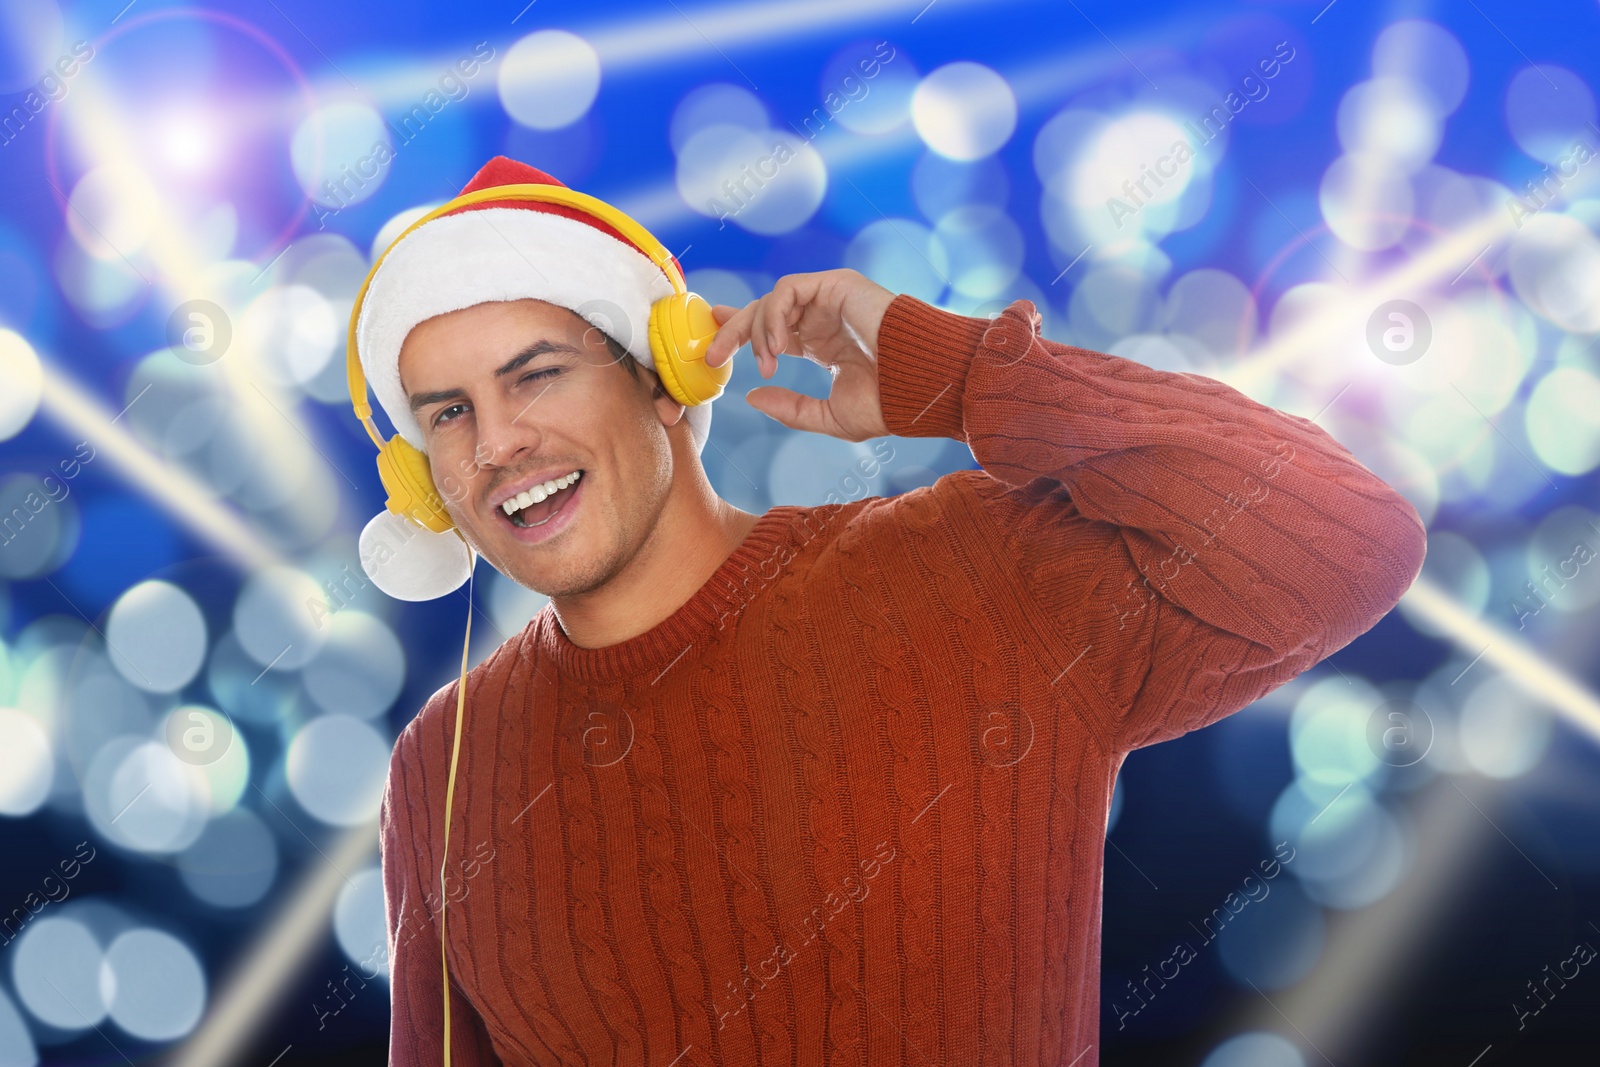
{"x": 560, "y": 577}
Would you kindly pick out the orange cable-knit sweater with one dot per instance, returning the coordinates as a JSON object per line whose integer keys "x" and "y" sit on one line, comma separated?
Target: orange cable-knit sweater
{"x": 847, "y": 805}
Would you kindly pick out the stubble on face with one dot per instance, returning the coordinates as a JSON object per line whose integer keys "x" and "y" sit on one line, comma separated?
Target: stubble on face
{"x": 604, "y": 419}
{"x": 615, "y": 533}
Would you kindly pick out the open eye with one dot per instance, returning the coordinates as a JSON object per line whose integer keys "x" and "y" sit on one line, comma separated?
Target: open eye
{"x": 444, "y": 415}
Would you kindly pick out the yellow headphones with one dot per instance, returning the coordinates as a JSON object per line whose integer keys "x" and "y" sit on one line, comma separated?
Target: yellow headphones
{"x": 680, "y": 331}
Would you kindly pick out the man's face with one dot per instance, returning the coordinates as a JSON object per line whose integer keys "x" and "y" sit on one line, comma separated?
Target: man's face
{"x": 515, "y": 393}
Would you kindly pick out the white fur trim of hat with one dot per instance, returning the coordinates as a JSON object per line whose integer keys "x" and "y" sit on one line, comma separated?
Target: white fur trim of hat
{"x": 497, "y": 253}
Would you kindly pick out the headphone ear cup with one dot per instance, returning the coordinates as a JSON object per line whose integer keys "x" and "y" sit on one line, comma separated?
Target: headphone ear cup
{"x": 681, "y": 329}
{"x": 408, "y": 480}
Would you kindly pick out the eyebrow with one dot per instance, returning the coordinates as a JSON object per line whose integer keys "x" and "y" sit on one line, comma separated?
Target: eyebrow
{"x": 533, "y": 351}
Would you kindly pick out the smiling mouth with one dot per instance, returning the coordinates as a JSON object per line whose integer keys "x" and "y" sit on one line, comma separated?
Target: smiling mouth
{"x": 540, "y": 504}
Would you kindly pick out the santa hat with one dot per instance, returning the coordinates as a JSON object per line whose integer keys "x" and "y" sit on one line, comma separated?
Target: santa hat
{"x": 490, "y": 251}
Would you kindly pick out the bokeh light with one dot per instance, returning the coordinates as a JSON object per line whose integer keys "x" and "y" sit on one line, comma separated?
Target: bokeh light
{"x": 26, "y": 763}
{"x": 964, "y": 110}
{"x": 335, "y": 767}
{"x": 1547, "y": 107}
{"x": 358, "y": 922}
{"x": 233, "y": 863}
{"x": 157, "y": 990}
{"x": 199, "y": 680}
{"x": 156, "y": 636}
{"x": 55, "y": 968}
{"x": 549, "y": 79}
{"x": 1255, "y": 1050}
{"x": 19, "y": 368}
{"x": 341, "y": 153}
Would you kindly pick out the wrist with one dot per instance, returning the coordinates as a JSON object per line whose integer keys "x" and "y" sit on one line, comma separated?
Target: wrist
{"x": 923, "y": 356}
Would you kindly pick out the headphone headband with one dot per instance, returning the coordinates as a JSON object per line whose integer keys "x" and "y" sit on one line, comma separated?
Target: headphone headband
{"x": 550, "y": 194}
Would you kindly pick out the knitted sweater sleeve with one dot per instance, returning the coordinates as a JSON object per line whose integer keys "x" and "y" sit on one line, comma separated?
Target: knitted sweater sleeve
{"x": 411, "y": 810}
{"x": 1176, "y": 550}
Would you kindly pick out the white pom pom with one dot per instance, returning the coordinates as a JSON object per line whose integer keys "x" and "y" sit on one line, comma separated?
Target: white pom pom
{"x": 411, "y": 562}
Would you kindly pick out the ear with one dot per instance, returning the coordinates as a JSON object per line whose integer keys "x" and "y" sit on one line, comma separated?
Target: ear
{"x": 668, "y": 410}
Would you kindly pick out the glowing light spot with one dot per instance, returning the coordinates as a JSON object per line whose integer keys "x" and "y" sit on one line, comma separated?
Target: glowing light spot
{"x": 1259, "y": 1049}
{"x": 154, "y": 984}
{"x": 1504, "y": 731}
{"x": 24, "y": 378}
{"x": 56, "y": 966}
{"x": 1366, "y": 201}
{"x": 902, "y": 255}
{"x": 964, "y": 110}
{"x": 1427, "y": 55}
{"x": 1547, "y": 109}
{"x": 549, "y": 79}
{"x": 1391, "y": 118}
{"x": 112, "y": 211}
{"x": 768, "y": 183}
{"x": 341, "y": 153}
{"x": 359, "y": 923}
{"x": 26, "y": 764}
{"x": 156, "y": 636}
{"x": 1560, "y": 420}
{"x": 274, "y": 617}
{"x": 1555, "y": 269}
{"x": 336, "y": 769}
{"x": 188, "y": 141}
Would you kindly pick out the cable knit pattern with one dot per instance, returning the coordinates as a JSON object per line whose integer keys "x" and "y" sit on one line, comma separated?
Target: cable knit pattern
{"x": 847, "y": 805}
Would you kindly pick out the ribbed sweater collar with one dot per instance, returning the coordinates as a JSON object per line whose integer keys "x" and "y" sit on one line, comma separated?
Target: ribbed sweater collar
{"x": 742, "y": 576}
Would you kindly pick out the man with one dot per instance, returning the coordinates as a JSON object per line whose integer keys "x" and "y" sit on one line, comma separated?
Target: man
{"x": 830, "y": 784}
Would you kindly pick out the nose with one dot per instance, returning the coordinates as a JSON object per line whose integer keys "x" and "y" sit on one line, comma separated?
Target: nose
{"x": 505, "y": 433}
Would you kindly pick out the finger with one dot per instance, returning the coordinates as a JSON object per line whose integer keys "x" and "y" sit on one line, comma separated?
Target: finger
{"x": 757, "y": 334}
{"x": 721, "y": 314}
{"x": 781, "y": 305}
{"x": 795, "y": 410}
{"x": 760, "y": 330}
{"x": 733, "y": 332}
{"x": 761, "y": 334}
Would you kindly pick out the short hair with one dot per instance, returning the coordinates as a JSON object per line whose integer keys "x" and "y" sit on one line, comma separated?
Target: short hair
{"x": 621, "y": 355}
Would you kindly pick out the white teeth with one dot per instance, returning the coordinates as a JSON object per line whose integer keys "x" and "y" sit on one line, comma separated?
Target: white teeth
{"x": 538, "y": 493}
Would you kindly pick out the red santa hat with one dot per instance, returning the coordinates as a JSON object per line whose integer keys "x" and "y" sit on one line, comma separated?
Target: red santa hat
{"x": 494, "y": 250}
{"x": 509, "y": 250}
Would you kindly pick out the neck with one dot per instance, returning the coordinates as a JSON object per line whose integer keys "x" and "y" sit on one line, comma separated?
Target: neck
{"x": 695, "y": 533}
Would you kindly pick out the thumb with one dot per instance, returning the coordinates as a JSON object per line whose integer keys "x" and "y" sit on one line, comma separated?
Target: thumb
{"x": 795, "y": 410}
